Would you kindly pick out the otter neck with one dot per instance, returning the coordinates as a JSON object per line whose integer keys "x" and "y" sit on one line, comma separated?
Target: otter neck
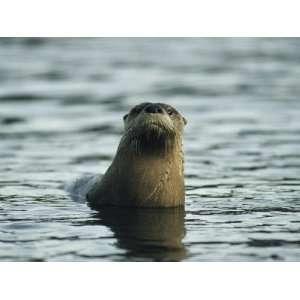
{"x": 151, "y": 176}
{"x": 157, "y": 149}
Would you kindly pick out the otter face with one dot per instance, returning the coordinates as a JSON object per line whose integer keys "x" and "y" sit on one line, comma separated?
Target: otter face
{"x": 155, "y": 115}
{"x": 155, "y": 124}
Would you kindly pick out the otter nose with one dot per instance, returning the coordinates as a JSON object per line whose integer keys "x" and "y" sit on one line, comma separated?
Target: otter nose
{"x": 154, "y": 109}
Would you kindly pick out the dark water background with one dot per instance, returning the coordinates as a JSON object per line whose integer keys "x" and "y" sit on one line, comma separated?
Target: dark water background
{"x": 61, "y": 105}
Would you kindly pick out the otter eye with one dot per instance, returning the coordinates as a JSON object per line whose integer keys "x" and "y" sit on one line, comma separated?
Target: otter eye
{"x": 170, "y": 111}
{"x": 125, "y": 117}
{"x": 136, "y": 110}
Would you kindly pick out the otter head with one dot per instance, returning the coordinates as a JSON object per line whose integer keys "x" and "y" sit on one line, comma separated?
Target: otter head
{"x": 153, "y": 127}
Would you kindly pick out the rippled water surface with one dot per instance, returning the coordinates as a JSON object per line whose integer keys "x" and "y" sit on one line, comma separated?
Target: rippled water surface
{"x": 61, "y": 108}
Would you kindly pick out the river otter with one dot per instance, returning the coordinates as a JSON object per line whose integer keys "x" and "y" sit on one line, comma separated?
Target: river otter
{"x": 147, "y": 170}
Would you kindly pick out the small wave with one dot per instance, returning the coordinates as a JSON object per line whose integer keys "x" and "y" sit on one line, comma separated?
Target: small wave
{"x": 22, "y": 97}
{"x": 11, "y": 120}
{"x": 271, "y": 243}
{"x": 88, "y": 158}
{"x": 101, "y": 128}
{"x": 79, "y": 187}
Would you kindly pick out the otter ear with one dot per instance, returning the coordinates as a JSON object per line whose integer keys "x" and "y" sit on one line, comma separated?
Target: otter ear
{"x": 125, "y": 117}
{"x": 184, "y": 120}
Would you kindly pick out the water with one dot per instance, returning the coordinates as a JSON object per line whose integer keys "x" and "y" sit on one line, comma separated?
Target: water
{"x": 61, "y": 108}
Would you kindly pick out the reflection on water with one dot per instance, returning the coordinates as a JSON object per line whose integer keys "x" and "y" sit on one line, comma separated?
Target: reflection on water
{"x": 154, "y": 234}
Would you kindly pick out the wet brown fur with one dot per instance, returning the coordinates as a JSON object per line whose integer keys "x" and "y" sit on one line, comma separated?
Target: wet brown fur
{"x": 147, "y": 170}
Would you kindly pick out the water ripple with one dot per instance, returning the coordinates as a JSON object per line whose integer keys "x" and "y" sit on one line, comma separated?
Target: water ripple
{"x": 61, "y": 120}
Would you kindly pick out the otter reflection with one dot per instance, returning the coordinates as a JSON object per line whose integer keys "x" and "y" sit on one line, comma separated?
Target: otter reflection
{"x": 147, "y": 234}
